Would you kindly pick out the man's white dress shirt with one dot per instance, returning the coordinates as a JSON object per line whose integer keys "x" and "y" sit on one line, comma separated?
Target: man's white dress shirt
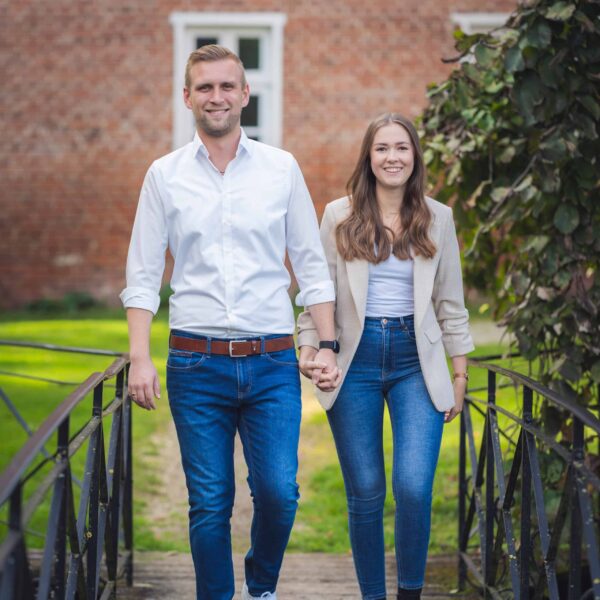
{"x": 228, "y": 235}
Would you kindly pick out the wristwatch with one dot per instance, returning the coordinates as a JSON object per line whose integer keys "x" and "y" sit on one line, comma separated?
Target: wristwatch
{"x": 330, "y": 345}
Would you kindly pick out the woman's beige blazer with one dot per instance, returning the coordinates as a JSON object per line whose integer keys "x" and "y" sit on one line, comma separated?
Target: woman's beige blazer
{"x": 441, "y": 320}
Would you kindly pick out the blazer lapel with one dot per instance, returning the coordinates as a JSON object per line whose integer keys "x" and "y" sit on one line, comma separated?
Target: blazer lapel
{"x": 423, "y": 277}
{"x": 358, "y": 281}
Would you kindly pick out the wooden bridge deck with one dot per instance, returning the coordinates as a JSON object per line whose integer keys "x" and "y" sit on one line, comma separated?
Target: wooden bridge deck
{"x": 162, "y": 576}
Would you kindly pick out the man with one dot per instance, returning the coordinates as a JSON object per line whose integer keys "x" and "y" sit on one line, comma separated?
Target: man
{"x": 228, "y": 208}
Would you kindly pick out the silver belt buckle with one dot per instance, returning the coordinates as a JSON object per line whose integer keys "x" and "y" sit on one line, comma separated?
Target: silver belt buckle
{"x": 231, "y": 354}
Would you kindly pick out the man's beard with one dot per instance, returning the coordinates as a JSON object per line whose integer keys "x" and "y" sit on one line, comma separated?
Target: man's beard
{"x": 217, "y": 129}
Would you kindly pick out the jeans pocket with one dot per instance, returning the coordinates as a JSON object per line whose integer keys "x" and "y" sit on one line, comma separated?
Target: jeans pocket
{"x": 180, "y": 360}
{"x": 409, "y": 330}
{"x": 283, "y": 357}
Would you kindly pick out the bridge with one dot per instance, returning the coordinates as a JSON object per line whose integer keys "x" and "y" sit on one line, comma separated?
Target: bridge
{"x": 517, "y": 535}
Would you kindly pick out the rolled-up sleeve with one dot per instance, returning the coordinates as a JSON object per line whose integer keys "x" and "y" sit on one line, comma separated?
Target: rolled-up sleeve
{"x": 146, "y": 256}
{"x": 304, "y": 245}
{"x": 448, "y": 296}
{"x": 307, "y": 332}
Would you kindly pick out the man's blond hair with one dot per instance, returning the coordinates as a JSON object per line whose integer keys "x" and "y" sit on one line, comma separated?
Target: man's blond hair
{"x": 211, "y": 53}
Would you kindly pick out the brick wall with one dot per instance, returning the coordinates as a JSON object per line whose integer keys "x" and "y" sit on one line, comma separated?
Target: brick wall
{"x": 86, "y": 105}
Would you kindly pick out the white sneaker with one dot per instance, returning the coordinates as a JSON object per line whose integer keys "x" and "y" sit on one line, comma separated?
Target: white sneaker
{"x": 267, "y": 595}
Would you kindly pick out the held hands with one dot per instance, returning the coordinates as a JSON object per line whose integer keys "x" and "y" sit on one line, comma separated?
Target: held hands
{"x": 460, "y": 387}
{"x": 320, "y": 366}
{"x": 143, "y": 384}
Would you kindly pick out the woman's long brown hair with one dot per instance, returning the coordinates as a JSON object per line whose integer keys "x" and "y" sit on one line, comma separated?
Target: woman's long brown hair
{"x": 363, "y": 235}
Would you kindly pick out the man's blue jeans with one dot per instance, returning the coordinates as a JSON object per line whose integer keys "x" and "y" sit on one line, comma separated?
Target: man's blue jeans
{"x": 211, "y": 397}
{"x": 386, "y": 367}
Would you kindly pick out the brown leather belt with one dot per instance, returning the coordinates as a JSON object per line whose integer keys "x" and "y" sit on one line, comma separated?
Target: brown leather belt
{"x": 233, "y": 348}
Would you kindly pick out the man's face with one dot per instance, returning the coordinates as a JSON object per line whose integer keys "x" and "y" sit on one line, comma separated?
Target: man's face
{"x": 216, "y": 96}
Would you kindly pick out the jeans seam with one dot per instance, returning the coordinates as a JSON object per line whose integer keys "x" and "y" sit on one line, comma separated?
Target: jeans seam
{"x": 398, "y": 554}
{"x": 191, "y": 367}
{"x": 250, "y": 379}
{"x": 240, "y": 394}
{"x": 383, "y": 353}
{"x": 282, "y": 363}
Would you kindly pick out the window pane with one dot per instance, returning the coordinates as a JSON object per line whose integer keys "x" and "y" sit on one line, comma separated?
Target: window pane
{"x": 250, "y": 113}
{"x": 205, "y": 41}
{"x": 249, "y": 52}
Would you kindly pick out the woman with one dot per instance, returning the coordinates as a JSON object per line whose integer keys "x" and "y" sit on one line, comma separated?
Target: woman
{"x": 394, "y": 257}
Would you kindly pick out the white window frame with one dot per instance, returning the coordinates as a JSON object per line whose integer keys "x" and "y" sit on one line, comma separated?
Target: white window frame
{"x": 267, "y": 83}
{"x": 479, "y": 22}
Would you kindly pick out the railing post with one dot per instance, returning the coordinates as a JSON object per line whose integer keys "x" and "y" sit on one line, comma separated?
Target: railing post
{"x": 16, "y": 581}
{"x": 94, "y": 541}
{"x": 14, "y": 519}
{"x": 52, "y": 571}
{"x": 61, "y": 538}
{"x": 490, "y": 505}
{"x": 128, "y": 483}
{"x": 117, "y": 464}
{"x": 576, "y": 521}
{"x": 462, "y": 502}
{"x": 525, "y": 550}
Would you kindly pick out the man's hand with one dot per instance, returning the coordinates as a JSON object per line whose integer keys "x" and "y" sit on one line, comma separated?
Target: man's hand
{"x": 143, "y": 384}
{"x": 460, "y": 387}
{"x": 307, "y": 362}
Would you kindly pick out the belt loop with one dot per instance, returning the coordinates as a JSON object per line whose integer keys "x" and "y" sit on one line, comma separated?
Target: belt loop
{"x": 170, "y": 336}
{"x": 262, "y": 344}
{"x": 208, "y": 342}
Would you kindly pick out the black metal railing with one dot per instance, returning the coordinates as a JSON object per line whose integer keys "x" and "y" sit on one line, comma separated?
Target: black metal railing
{"x": 85, "y": 550}
{"x": 529, "y": 509}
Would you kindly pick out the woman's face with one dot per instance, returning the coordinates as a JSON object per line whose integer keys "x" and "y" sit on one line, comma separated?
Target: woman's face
{"x": 392, "y": 156}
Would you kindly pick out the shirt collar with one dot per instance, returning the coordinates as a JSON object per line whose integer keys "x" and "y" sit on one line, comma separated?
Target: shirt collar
{"x": 244, "y": 143}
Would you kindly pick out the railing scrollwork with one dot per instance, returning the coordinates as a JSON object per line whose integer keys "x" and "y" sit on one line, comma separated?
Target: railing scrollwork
{"x": 88, "y": 539}
{"x": 514, "y": 542}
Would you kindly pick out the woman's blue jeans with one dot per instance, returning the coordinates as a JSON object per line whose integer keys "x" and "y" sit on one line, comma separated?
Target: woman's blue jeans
{"x": 212, "y": 397}
{"x": 386, "y": 368}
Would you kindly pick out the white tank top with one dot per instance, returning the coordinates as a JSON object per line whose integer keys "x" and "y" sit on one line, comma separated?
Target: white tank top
{"x": 390, "y": 292}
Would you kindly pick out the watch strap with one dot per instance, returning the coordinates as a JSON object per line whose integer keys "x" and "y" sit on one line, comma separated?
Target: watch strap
{"x": 330, "y": 345}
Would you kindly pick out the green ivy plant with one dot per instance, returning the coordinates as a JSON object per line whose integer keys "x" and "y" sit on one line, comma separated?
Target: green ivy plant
{"x": 512, "y": 143}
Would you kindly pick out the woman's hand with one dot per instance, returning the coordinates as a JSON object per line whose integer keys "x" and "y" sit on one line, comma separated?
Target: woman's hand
{"x": 460, "y": 387}
{"x": 330, "y": 376}
{"x": 322, "y": 370}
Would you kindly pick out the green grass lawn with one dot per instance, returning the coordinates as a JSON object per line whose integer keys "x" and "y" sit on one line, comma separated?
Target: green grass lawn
{"x": 321, "y": 523}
